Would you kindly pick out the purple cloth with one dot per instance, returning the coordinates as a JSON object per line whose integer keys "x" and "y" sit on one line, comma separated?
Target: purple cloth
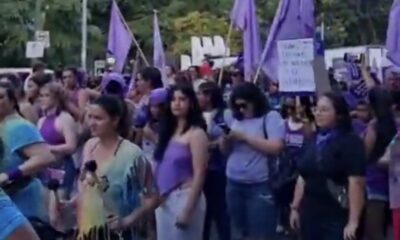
{"x": 120, "y": 38}
{"x": 350, "y": 99}
{"x": 294, "y": 140}
{"x": 49, "y": 132}
{"x": 175, "y": 168}
{"x": 358, "y": 87}
{"x": 244, "y": 17}
{"x": 113, "y": 77}
{"x": 294, "y": 19}
{"x": 158, "y": 50}
{"x": 158, "y": 96}
{"x": 393, "y": 34}
{"x": 377, "y": 182}
{"x": 359, "y": 127}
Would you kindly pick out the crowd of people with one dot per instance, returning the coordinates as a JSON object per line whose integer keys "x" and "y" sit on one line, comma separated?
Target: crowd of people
{"x": 107, "y": 158}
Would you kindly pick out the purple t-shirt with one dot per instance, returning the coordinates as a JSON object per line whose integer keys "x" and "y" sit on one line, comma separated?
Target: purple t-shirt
{"x": 246, "y": 165}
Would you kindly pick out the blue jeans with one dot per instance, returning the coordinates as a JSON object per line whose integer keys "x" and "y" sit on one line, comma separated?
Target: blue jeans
{"x": 70, "y": 175}
{"x": 252, "y": 210}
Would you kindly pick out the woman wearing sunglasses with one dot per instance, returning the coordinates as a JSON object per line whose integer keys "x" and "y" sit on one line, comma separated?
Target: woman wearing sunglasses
{"x": 250, "y": 200}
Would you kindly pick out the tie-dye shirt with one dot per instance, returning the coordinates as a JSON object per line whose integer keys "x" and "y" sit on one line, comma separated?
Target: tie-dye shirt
{"x": 16, "y": 134}
{"x": 124, "y": 177}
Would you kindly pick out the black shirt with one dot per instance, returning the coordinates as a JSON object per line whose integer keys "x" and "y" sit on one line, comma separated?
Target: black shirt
{"x": 342, "y": 156}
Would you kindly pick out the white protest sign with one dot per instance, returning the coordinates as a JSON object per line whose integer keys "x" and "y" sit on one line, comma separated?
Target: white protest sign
{"x": 99, "y": 67}
{"x": 43, "y": 36}
{"x": 296, "y": 73}
{"x": 34, "y": 49}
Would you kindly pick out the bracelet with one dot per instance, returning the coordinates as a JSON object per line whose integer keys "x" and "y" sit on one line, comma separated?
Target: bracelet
{"x": 14, "y": 174}
{"x": 294, "y": 207}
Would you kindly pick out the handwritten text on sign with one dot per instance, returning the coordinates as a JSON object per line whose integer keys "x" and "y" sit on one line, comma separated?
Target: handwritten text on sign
{"x": 296, "y": 73}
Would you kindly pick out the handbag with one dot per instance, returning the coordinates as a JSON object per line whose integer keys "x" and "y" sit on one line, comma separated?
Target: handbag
{"x": 339, "y": 193}
{"x": 282, "y": 173}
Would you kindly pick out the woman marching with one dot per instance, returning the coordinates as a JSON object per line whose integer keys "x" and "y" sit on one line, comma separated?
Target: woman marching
{"x": 23, "y": 154}
{"x": 329, "y": 195}
{"x": 116, "y": 188}
{"x": 181, "y": 155}
{"x": 58, "y": 128}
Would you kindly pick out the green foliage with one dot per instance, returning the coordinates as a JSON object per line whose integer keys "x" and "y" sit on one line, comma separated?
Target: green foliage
{"x": 355, "y": 22}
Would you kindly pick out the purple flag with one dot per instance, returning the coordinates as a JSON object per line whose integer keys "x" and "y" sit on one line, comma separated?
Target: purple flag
{"x": 393, "y": 34}
{"x": 294, "y": 19}
{"x": 158, "y": 50}
{"x": 120, "y": 38}
{"x": 244, "y": 17}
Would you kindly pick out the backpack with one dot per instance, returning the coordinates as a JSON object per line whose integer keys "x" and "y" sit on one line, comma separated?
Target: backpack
{"x": 282, "y": 173}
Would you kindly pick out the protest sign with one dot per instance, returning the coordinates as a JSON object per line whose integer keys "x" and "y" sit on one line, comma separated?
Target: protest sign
{"x": 34, "y": 49}
{"x": 43, "y": 36}
{"x": 296, "y": 73}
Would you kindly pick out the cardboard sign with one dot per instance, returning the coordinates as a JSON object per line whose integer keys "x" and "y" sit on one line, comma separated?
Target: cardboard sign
{"x": 296, "y": 72}
{"x": 43, "y": 36}
{"x": 99, "y": 67}
{"x": 34, "y": 49}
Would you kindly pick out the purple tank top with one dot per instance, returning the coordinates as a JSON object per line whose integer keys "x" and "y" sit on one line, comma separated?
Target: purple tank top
{"x": 294, "y": 140}
{"x": 49, "y": 132}
{"x": 175, "y": 168}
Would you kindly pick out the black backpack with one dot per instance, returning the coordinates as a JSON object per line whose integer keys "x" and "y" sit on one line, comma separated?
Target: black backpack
{"x": 282, "y": 174}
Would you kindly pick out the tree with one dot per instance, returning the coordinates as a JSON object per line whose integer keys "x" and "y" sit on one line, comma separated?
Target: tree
{"x": 356, "y": 22}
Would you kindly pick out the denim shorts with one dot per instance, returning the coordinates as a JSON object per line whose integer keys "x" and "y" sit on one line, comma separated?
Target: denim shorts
{"x": 10, "y": 218}
{"x": 252, "y": 210}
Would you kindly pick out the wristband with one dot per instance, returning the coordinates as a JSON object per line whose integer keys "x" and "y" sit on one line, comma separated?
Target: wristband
{"x": 14, "y": 174}
{"x": 294, "y": 207}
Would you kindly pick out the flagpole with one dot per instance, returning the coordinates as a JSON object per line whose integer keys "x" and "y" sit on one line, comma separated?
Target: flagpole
{"x": 259, "y": 67}
{"x": 134, "y": 71}
{"x": 139, "y": 49}
{"x": 135, "y": 42}
{"x": 227, "y": 41}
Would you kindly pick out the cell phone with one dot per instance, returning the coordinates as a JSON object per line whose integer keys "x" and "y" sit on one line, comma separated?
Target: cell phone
{"x": 224, "y": 127}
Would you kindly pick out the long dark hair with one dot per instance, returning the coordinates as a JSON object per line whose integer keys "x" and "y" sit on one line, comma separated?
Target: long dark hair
{"x": 342, "y": 112}
{"x": 12, "y": 95}
{"x": 252, "y": 94}
{"x": 115, "y": 108}
{"x": 168, "y": 124}
{"x": 381, "y": 104}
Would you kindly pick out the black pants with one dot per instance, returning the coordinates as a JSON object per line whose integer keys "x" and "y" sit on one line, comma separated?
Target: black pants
{"x": 315, "y": 225}
{"x": 214, "y": 191}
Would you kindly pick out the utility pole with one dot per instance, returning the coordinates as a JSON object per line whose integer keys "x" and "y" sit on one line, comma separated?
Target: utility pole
{"x": 84, "y": 35}
{"x": 39, "y": 20}
{"x": 38, "y": 15}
